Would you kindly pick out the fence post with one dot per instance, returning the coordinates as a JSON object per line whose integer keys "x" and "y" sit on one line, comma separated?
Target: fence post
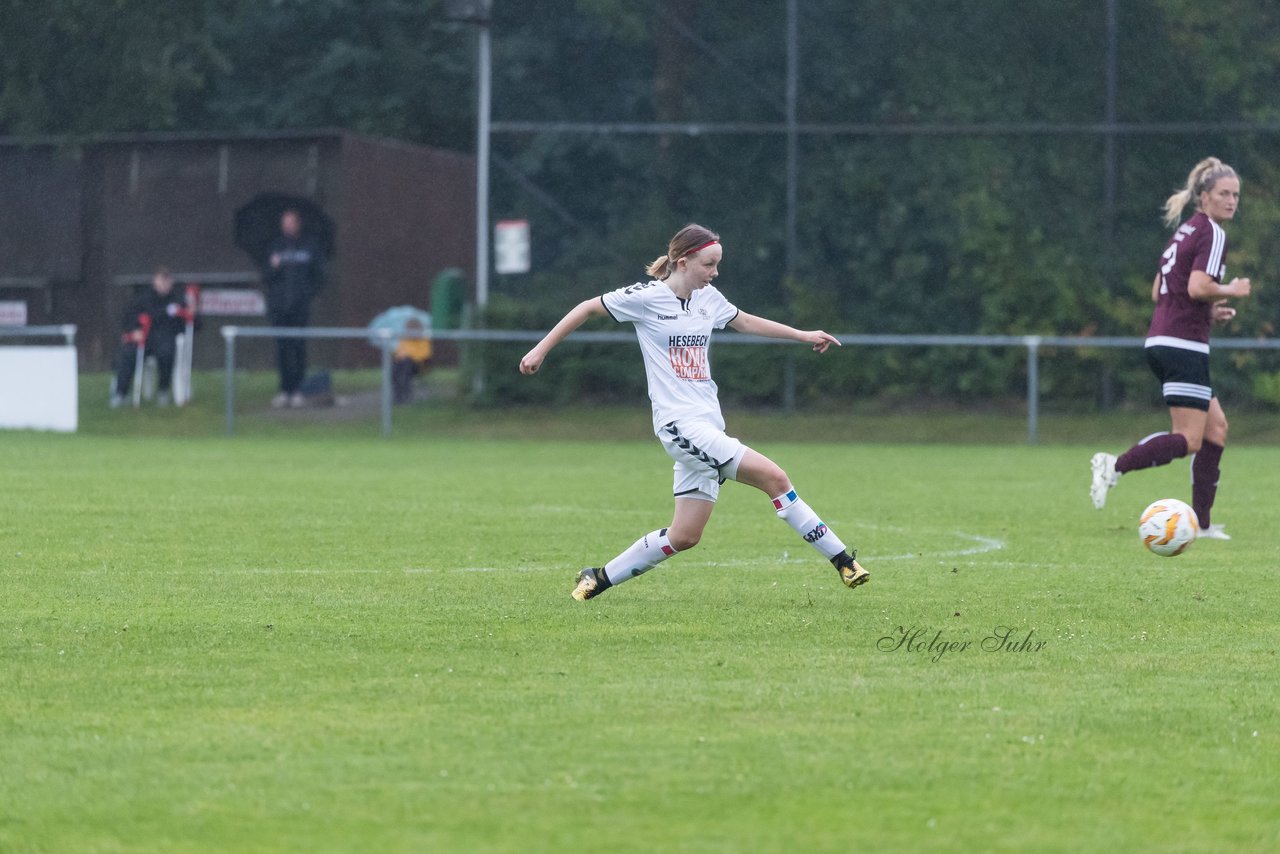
{"x": 789, "y": 381}
{"x": 385, "y": 335}
{"x": 229, "y": 335}
{"x": 1033, "y": 387}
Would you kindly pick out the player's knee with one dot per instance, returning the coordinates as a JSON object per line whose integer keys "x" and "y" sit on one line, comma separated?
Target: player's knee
{"x": 683, "y": 540}
{"x": 1193, "y": 442}
{"x": 776, "y": 482}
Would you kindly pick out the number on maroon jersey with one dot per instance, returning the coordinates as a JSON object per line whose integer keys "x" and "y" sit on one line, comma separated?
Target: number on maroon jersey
{"x": 1170, "y": 257}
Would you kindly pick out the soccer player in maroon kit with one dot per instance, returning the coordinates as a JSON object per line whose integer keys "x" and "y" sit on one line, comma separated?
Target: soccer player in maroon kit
{"x": 1190, "y": 298}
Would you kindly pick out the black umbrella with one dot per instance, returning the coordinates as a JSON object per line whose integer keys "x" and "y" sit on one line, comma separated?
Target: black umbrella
{"x": 258, "y": 223}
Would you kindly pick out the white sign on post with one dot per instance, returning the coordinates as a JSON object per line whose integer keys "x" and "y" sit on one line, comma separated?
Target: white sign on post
{"x": 511, "y": 246}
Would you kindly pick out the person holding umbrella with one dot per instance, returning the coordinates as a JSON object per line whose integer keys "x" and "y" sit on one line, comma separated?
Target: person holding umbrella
{"x": 294, "y": 275}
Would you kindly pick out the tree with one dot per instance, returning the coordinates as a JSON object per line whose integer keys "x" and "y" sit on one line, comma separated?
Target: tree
{"x": 80, "y": 67}
{"x": 388, "y": 67}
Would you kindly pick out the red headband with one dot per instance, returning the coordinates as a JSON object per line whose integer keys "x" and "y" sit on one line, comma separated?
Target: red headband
{"x": 700, "y": 248}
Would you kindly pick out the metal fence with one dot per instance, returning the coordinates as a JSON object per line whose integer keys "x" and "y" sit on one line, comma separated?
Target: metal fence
{"x": 387, "y": 340}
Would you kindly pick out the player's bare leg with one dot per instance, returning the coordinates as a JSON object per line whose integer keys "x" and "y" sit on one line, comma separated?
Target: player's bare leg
{"x": 687, "y": 524}
{"x": 1191, "y": 424}
{"x": 764, "y": 474}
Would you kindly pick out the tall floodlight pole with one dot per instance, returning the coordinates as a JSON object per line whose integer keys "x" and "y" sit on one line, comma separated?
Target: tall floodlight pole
{"x": 485, "y": 84}
{"x": 793, "y": 143}
{"x": 1110, "y": 166}
{"x": 478, "y": 12}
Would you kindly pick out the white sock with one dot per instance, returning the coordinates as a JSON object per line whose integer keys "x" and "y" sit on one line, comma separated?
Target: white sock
{"x": 645, "y": 553}
{"x": 800, "y": 516}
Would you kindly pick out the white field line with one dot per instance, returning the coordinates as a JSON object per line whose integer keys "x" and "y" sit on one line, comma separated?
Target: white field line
{"x": 980, "y": 545}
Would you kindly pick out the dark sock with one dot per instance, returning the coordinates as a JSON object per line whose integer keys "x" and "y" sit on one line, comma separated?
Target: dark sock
{"x": 1157, "y": 451}
{"x": 1204, "y": 480}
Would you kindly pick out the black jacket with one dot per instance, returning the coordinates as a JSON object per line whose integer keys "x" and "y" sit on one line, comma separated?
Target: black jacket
{"x": 165, "y": 322}
{"x": 294, "y": 283}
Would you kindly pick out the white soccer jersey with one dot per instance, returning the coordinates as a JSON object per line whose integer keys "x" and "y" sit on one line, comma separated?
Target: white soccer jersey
{"x": 675, "y": 338}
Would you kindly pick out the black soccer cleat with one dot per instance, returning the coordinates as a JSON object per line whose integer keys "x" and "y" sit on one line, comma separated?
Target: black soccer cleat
{"x": 851, "y": 572}
{"x": 591, "y": 583}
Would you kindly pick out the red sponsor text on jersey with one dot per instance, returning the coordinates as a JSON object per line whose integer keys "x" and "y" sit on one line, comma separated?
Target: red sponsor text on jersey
{"x": 689, "y": 363}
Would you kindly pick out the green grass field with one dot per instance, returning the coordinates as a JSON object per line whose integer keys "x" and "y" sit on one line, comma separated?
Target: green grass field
{"x": 321, "y": 640}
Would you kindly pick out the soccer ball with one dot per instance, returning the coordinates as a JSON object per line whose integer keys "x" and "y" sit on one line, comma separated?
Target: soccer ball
{"x": 1168, "y": 527}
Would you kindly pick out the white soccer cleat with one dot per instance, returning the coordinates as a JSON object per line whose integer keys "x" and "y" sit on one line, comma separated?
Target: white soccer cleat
{"x": 1104, "y": 477}
{"x": 1213, "y": 532}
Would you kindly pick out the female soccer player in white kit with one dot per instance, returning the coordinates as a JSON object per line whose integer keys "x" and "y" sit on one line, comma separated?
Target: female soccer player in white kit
{"x": 1189, "y": 297}
{"x": 674, "y": 315}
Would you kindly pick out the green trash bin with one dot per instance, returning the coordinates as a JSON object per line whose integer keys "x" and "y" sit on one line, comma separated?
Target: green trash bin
{"x": 448, "y": 294}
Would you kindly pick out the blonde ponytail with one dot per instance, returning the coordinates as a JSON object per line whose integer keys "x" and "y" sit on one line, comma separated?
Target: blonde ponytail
{"x": 1202, "y": 178}
{"x": 659, "y": 267}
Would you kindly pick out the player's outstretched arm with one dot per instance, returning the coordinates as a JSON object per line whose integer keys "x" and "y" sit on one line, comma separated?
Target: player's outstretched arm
{"x": 1201, "y": 287}
{"x": 750, "y": 324}
{"x": 576, "y": 317}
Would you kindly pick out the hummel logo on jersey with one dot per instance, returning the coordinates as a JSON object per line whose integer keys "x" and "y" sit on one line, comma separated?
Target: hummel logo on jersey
{"x": 674, "y": 338}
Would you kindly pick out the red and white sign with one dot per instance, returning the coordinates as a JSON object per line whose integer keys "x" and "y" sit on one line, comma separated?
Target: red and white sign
{"x": 232, "y": 302}
{"x": 13, "y": 312}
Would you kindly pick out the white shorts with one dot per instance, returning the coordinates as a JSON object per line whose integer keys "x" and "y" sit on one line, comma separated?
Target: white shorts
{"x": 705, "y": 457}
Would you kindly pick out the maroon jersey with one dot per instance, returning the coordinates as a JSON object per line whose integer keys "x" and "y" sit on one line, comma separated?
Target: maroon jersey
{"x": 1180, "y": 321}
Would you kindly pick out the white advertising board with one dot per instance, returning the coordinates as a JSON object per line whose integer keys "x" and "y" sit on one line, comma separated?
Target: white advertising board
{"x": 38, "y": 388}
